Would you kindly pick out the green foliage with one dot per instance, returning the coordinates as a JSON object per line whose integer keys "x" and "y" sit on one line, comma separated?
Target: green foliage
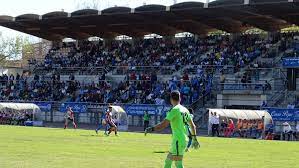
{"x": 290, "y": 29}
{"x": 30, "y": 147}
{"x": 218, "y": 32}
{"x": 255, "y": 31}
{"x": 12, "y": 48}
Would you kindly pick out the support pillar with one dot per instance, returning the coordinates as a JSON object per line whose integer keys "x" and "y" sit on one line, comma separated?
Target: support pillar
{"x": 234, "y": 36}
{"x": 107, "y": 42}
{"x": 135, "y": 40}
{"x": 56, "y": 43}
{"x": 170, "y": 38}
{"x": 291, "y": 77}
{"x": 273, "y": 36}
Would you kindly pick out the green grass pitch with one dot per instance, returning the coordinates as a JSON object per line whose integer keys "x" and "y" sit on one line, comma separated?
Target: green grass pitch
{"x": 28, "y": 147}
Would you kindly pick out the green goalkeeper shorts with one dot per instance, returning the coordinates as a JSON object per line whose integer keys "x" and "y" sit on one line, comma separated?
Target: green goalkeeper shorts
{"x": 178, "y": 148}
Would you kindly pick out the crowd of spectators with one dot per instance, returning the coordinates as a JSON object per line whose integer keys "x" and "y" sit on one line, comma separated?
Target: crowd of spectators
{"x": 14, "y": 118}
{"x": 212, "y": 50}
{"x": 148, "y": 52}
{"x": 126, "y": 56}
{"x": 141, "y": 89}
{"x": 144, "y": 89}
{"x": 147, "y": 89}
{"x": 34, "y": 89}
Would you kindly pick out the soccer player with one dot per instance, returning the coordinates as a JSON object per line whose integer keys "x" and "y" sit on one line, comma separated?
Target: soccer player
{"x": 110, "y": 122}
{"x": 69, "y": 116}
{"x": 146, "y": 118}
{"x": 178, "y": 117}
{"x": 102, "y": 123}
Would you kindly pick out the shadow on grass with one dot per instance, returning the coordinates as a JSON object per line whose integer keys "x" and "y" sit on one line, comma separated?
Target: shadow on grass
{"x": 160, "y": 152}
{"x": 91, "y": 135}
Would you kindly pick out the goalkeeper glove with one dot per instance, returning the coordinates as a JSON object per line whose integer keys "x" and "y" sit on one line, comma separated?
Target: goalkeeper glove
{"x": 195, "y": 143}
{"x": 148, "y": 130}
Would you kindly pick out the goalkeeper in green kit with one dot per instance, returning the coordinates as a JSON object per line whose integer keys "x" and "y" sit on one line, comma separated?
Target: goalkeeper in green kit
{"x": 178, "y": 118}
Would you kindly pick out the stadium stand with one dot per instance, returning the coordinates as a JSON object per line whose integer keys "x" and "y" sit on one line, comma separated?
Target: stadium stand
{"x": 231, "y": 69}
{"x": 217, "y": 51}
{"x": 208, "y": 61}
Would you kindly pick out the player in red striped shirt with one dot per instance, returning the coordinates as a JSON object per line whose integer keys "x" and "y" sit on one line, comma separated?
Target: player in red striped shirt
{"x": 110, "y": 121}
{"x": 69, "y": 116}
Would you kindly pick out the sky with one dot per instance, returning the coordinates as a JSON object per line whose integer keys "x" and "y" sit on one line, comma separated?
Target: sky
{"x": 18, "y": 7}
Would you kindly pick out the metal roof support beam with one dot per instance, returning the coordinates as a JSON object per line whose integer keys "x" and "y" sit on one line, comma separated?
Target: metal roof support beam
{"x": 167, "y": 8}
{"x": 206, "y": 5}
{"x": 235, "y": 36}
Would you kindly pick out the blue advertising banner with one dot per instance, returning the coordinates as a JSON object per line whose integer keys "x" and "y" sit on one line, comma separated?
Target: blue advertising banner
{"x": 44, "y": 106}
{"x": 139, "y": 109}
{"x": 284, "y": 114}
{"x": 76, "y": 107}
{"x": 290, "y": 62}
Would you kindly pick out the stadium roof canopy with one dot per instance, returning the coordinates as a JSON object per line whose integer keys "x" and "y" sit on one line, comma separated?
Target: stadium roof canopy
{"x": 19, "y": 106}
{"x": 228, "y": 15}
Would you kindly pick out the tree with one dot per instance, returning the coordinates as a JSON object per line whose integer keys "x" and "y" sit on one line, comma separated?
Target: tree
{"x": 12, "y": 48}
{"x": 27, "y": 49}
{"x": 5, "y": 49}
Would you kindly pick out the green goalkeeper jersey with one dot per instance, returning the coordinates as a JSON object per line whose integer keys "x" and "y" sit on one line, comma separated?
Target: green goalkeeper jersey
{"x": 146, "y": 117}
{"x": 179, "y": 117}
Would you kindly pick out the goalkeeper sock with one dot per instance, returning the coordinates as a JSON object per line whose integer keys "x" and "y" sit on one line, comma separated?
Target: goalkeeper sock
{"x": 189, "y": 143}
{"x": 179, "y": 164}
{"x": 168, "y": 163}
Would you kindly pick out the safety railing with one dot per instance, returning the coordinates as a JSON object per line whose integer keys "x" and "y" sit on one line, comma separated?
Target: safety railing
{"x": 196, "y": 69}
{"x": 237, "y": 87}
{"x": 83, "y": 82}
{"x": 124, "y": 70}
{"x": 116, "y": 70}
{"x": 72, "y": 70}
